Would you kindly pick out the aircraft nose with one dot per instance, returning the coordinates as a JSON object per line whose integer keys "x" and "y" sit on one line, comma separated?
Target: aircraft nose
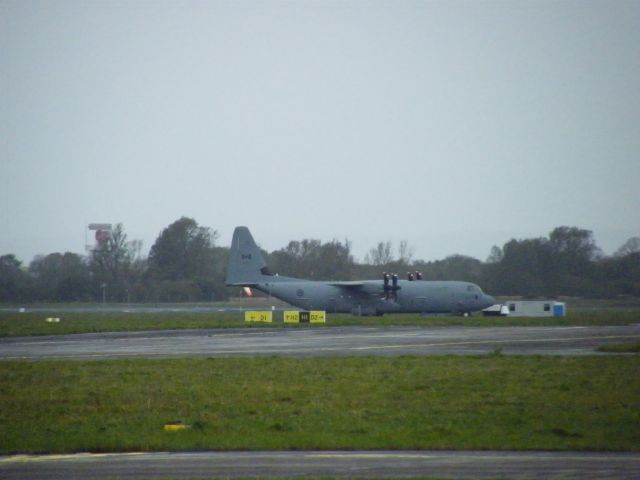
{"x": 489, "y": 300}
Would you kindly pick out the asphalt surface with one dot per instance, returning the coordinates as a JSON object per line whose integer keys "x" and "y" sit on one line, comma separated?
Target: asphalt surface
{"x": 396, "y": 464}
{"x": 124, "y": 308}
{"x": 320, "y": 342}
{"x": 323, "y": 341}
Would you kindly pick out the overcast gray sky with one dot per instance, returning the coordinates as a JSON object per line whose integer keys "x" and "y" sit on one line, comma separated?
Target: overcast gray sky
{"x": 453, "y": 125}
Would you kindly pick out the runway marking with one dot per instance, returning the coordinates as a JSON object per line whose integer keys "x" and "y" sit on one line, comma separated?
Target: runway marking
{"x": 278, "y": 348}
{"x": 109, "y": 355}
{"x": 216, "y": 335}
{"x": 480, "y": 342}
{"x": 137, "y": 338}
{"x": 513, "y": 455}
{"x": 68, "y": 456}
{"x": 469, "y": 455}
{"x": 371, "y": 455}
{"x": 347, "y": 336}
{"x": 575, "y": 327}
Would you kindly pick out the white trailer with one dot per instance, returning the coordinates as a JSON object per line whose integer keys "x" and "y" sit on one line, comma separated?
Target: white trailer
{"x": 536, "y": 308}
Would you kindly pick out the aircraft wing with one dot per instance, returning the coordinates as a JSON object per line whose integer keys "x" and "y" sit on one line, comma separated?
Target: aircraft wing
{"x": 355, "y": 287}
{"x": 348, "y": 284}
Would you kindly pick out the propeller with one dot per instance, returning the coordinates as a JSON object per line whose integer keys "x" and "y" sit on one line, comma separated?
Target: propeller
{"x": 390, "y": 291}
{"x": 394, "y": 287}
{"x": 386, "y": 277}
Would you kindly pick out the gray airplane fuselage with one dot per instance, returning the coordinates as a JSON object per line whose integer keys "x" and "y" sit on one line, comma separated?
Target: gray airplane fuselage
{"x": 369, "y": 297}
{"x": 247, "y": 268}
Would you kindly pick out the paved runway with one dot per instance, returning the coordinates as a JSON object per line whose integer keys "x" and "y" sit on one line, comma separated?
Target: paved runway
{"x": 320, "y": 342}
{"x": 440, "y": 464}
{"x": 323, "y": 341}
{"x": 124, "y": 308}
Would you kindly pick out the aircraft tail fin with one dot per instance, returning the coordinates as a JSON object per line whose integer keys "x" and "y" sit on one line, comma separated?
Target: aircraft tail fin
{"x": 246, "y": 265}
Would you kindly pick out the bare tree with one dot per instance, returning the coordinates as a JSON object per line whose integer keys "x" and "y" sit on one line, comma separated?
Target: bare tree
{"x": 380, "y": 255}
{"x": 405, "y": 252}
{"x": 630, "y": 246}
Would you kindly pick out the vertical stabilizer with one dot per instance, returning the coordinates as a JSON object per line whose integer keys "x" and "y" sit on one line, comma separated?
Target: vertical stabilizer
{"x": 246, "y": 265}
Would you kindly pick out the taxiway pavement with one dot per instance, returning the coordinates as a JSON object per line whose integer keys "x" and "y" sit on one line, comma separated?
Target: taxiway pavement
{"x": 378, "y": 464}
{"x": 320, "y": 342}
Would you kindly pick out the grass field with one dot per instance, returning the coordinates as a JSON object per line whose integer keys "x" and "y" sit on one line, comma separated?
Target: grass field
{"x": 486, "y": 402}
{"x": 33, "y": 323}
{"x": 631, "y": 347}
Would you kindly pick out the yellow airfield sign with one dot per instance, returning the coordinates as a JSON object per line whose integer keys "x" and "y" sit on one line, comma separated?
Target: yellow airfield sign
{"x": 318, "y": 316}
{"x": 291, "y": 316}
{"x": 314, "y": 316}
{"x": 255, "y": 316}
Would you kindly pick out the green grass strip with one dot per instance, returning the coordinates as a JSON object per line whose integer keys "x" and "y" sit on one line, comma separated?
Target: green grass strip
{"x": 486, "y": 402}
{"x": 33, "y": 323}
{"x": 633, "y": 347}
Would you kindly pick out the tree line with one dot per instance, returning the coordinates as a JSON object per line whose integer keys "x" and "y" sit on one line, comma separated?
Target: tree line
{"x": 185, "y": 265}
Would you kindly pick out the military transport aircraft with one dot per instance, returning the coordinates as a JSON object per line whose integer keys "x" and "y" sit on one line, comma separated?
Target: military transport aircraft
{"x": 247, "y": 268}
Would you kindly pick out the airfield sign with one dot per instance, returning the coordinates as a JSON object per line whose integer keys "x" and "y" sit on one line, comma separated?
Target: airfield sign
{"x": 314, "y": 316}
{"x": 256, "y": 316}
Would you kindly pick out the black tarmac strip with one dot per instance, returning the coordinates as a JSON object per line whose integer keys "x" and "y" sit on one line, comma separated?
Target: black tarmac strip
{"x": 341, "y": 341}
{"x": 380, "y": 464}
